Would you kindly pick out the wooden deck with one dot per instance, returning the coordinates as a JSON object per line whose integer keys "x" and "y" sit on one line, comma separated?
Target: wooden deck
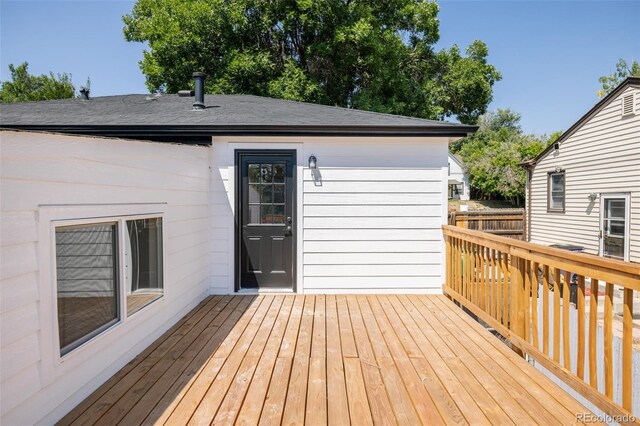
{"x": 287, "y": 359}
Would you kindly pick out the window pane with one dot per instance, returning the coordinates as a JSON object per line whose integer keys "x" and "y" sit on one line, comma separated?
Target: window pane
{"x": 266, "y": 194}
{"x": 278, "y": 173}
{"x": 278, "y": 214}
{"x": 254, "y": 173}
{"x": 86, "y": 275}
{"x": 254, "y": 213}
{"x": 143, "y": 254}
{"x": 556, "y": 191}
{"x": 278, "y": 193}
{"x": 254, "y": 193}
{"x": 267, "y": 214}
{"x": 266, "y": 173}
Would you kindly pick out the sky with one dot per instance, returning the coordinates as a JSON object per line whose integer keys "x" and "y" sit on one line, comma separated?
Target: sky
{"x": 550, "y": 53}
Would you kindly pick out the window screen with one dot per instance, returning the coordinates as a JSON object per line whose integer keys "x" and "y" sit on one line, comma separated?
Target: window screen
{"x": 87, "y": 282}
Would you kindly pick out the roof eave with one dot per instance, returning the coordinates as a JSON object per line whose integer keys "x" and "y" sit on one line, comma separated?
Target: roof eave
{"x": 248, "y": 130}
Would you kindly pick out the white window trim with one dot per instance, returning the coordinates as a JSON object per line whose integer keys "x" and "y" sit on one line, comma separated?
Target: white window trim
{"x": 627, "y": 222}
{"x": 53, "y": 365}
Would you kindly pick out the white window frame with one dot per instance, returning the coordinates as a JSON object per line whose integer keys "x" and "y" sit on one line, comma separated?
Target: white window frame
{"x": 627, "y": 222}
{"x": 50, "y": 217}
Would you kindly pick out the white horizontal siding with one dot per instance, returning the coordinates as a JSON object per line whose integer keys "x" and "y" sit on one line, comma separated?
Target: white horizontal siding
{"x": 39, "y": 169}
{"x": 603, "y": 156}
{"x": 373, "y": 223}
{"x": 369, "y": 217}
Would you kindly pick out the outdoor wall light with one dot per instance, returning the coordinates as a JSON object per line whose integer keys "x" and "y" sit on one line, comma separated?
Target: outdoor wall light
{"x": 556, "y": 148}
{"x": 558, "y": 169}
{"x": 312, "y": 162}
{"x": 592, "y": 197}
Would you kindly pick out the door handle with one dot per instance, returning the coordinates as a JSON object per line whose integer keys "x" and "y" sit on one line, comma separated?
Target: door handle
{"x": 287, "y": 230}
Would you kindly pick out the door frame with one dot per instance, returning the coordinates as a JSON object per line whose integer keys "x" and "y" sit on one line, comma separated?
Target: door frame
{"x": 627, "y": 224}
{"x": 237, "y": 228}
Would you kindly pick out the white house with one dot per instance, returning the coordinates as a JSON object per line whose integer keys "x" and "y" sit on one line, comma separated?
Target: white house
{"x": 459, "y": 188}
{"x": 121, "y": 213}
{"x": 584, "y": 190}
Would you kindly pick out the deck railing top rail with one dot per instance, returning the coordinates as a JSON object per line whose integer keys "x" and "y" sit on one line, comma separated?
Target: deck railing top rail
{"x": 557, "y": 306}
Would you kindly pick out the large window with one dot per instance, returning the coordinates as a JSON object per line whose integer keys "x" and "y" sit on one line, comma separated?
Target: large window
{"x": 90, "y": 279}
{"x": 556, "y": 192}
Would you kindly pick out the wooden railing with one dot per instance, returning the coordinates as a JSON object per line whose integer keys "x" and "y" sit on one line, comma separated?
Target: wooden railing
{"x": 524, "y": 292}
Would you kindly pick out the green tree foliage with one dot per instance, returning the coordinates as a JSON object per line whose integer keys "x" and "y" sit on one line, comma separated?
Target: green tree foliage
{"x": 623, "y": 70}
{"x": 493, "y": 156}
{"x": 25, "y": 87}
{"x": 373, "y": 55}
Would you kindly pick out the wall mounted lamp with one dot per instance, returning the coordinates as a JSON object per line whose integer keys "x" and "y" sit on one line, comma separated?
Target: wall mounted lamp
{"x": 312, "y": 162}
{"x": 556, "y": 148}
{"x": 592, "y": 197}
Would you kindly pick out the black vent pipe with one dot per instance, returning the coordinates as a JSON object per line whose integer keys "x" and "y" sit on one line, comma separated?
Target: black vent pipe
{"x": 199, "y": 78}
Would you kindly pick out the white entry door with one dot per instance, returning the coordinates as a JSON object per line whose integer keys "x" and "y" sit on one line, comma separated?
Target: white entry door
{"x": 614, "y": 226}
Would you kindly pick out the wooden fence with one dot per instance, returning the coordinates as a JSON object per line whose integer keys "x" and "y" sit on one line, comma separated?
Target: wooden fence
{"x": 507, "y": 223}
{"x": 502, "y": 281}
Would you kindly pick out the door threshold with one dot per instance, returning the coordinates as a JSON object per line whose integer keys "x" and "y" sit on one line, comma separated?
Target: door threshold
{"x": 265, "y": 291}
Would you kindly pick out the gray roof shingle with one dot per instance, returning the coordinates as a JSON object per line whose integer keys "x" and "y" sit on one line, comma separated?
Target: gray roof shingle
{"x": 224, "y": 114}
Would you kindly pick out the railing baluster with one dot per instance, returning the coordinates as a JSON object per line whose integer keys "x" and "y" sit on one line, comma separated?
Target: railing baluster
{"x": 580, "y": 305}
{"x": 534, "y": 304}
{"x": 448, "y": 262}
{"x": 593, "y": 328}
{"x": 504, "y": 265}
{"x": 566, "y": 336}
{"x": 526, "y": 300}
{"x": 627, "y": 348}
{"x": 494, "y": 285}
{"x": 545, "y": 309}
{"x": 556, "y": 315}
{"x": 608, "y": 341}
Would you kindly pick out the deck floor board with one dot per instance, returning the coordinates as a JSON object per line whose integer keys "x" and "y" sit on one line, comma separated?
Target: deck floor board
{"x": 294, "y": 359}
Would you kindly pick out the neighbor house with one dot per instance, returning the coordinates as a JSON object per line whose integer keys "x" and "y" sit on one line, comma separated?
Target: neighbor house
{"x": 458, "y": 179}
{"x": 122, "y": 213}
{"x": 584, "y": 190}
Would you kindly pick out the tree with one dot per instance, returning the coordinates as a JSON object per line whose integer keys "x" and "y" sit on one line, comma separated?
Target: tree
{"x": 623, "y": 70}
{"x": 373, "y": 55}
{"x": 493, "y": 156}
{"x": 25, "y": 87}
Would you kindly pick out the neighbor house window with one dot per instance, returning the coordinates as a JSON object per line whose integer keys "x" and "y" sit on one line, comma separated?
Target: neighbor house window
{"x": 88, "y": 275}
{"x": 556, "y": 192}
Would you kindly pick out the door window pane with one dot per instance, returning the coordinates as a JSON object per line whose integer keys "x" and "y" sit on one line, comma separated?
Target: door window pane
{"x": 254, "y": 213}
{"x": 254, "y": 193}
{"x": 267, "y": 212}
{"x": 278, "y": 193}
{"x": 265, "y": 197}
{"x": 266, "y": 173}
{"x": 143, "y": 254}
{"x": 87, "y": 282}
{"x": 278, "y": 214}
{"x": 254, "y": 173}
{"x": 278, "y": 173}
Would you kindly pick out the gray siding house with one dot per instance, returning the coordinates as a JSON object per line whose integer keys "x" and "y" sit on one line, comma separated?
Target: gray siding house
{"x": 584, "y": 190}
